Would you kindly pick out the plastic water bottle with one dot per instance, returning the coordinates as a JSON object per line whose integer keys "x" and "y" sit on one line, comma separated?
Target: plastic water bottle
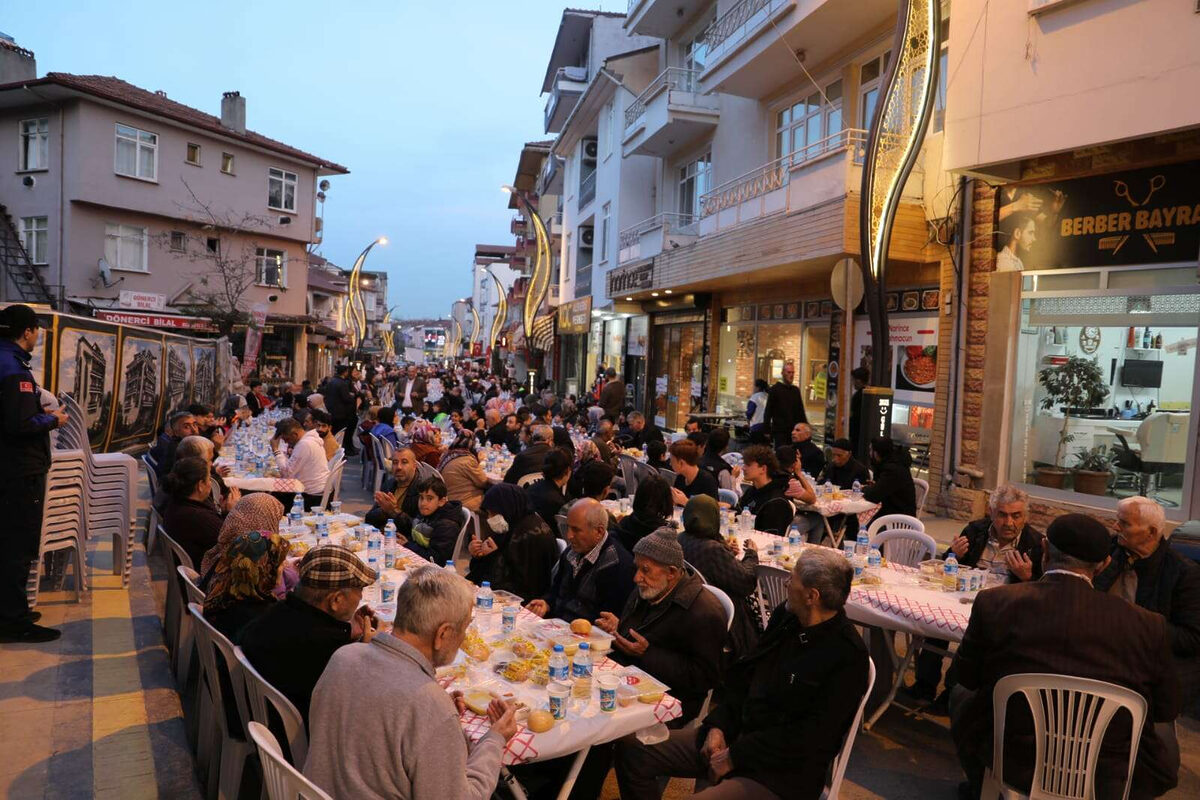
{"x": 335, "y": 507}
{"x": 746, "y": 521}
{"x": 794, "y": 537}
{"x": 297, "y": 509}
{"x": 950, "y": 573}
{"x": 862, "y": 543}
{"x": 322, "y": 529}
{"x": 581, "y": 672}
{"x": 389, "y": 554}
{"x": 874, "y": 560}
{"x": 375, "y": 542}
{"x": 856, "y": 488}
{"x": 284, "y": 525}
{"x": 450, "y": 567}
{"x": 389, "y": 534}
{"x": 828, "y": 489}
{"x": 560, "y": 668}
{"x": 484, "y": 598}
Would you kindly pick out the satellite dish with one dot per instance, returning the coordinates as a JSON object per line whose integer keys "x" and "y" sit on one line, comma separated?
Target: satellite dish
{"x": 846, "y": 284}
{"x": 106, "y": 274}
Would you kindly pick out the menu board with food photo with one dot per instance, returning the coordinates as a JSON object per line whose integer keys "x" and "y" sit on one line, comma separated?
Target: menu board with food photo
{"x": 916, "y": 367}
{"x": 912, "y": 342}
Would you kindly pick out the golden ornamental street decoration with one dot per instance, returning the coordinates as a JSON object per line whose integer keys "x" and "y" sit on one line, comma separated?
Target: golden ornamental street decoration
{"x": 501, "y": 312}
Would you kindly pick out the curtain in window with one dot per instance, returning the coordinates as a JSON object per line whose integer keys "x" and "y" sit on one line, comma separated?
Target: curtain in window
{"x": 126, "y": 157}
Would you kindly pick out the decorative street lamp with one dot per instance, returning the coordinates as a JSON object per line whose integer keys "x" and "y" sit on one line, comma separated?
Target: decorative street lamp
{"x": 501, "y": 313}
{"x": 474, "y": 329}
{"x": 893, "y": 145}
{"x": 539, "y": 280}
{"x": 357, "y": 308}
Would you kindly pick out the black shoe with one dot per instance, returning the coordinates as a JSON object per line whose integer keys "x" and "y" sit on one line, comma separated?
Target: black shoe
{"x": 33, "y": 616}
{"x": 28, "y": 634}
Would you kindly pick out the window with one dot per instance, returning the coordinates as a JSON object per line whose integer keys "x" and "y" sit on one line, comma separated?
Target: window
{"x": 281, "y": 189}
{"x": 33, "y": 236}
{"x": 137, "y": 153}
{"x": 802, "y": 127}
{"x": 178, "y": 241}
{"x": 272, "y": 267}
{"x": 35, "y": 144}
{"x": 227, "y": 163}
{"x": 605, "y": 216}
{"x": 939, "y": 101}
{"x": 610, "y": 128}
{"x": 871, "y": 81}
{"x": 695, "y": 57}
{"x": 193, "y": 154}
{"x": 213, "y": 245}
{"x": 695, "y": 179}
{"x": 126, "y": 247}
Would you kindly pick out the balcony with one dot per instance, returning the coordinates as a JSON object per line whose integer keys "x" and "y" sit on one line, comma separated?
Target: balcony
{"x": 663, "y": 19}
{"x": 550, "y": 181}
{"x": 587, "y": 190}
{"x": 651, "y": 236}
{"x": 554, "y": 225}
{"x": 568, "y": 85}
{"x": 820, "y": 172}
{"x": 751, "y": 46}
{"x": 670, "y": 114}
{"x": 518, "y": 225}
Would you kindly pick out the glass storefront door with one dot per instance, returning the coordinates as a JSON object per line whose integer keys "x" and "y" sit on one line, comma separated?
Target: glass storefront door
{"x": 678, "y": 359}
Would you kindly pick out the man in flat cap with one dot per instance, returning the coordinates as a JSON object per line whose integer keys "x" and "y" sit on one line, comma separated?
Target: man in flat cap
{"x": 291, "y": 643}
{"x": 1061, "y": 625}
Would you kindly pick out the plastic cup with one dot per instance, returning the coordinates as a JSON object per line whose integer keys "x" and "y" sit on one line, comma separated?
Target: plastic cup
{"x": 559, "y": 692}
{"x": 608, "y": 692}
{"x": 387, "y": 591}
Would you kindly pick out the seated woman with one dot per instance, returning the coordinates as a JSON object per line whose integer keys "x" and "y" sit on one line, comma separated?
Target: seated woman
{"x": 516, "y": 550}
{"x": 191, "y": 519}
{"x": 652, "y": 509}
{"x": 244, "y": 581}
{"x": 464, "y": 477}
{"x": 365, "y": 425}
{"x": 690, "y": 480}
{"x": 426, "y": 442}
{"x": 254, "y": 512}
{"x": 717, "y": 561}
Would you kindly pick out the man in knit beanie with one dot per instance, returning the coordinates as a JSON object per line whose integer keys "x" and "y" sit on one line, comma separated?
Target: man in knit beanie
{"x": 672, "y": 626}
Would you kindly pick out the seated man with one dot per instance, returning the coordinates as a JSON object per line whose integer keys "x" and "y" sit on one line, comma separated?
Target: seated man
{"x": 712, "y": 462}
{"x": 529, "y": 460}
{"x": 306, "y": 461}
{"x": 843, "y": 469}
{"x": 811, "y": 456}
{"x": 787, "y": 707}
{"x": 1003, "y": 543}
{"x": 385, "y": 425}
{"x": 322, "y": 423}
{"x": 395, "y": 501}
{"x": 671, "y": 627}
{"x": 546, "y": 494}
{"x": 608, "y": 449}
{"x": 594, "y": 574}
{"x": 291, "y": 642}
{"x": 381, "y": 725}
{"x": 181, "y": 424}
{"x": 1148, "y": 573}
{"x": 641, "y": 431}
{"x": 690, "y": 480}
{"x": 1066, "y": 628}
{"x": 893, "y": 488}
{"x": 763, "y": 475}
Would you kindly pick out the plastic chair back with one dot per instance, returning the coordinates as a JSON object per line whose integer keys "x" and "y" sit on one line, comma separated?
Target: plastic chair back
{"x": 775, "y": 516}
{"x": 772, "y": 589}
{"x": 222, "y": 675}
{"x": 894, "y": 521}
{"x": 263, "y": 699}
{"x": 561, "y": 519}
{"x": 425, "y": 471}
{"x": 525, "y": 480}
{"x": 900, "y": 546}
{"x": 191, "y": 584}
{"x": 338, "y": 457}
{"x": 692, "y": 567}
{"x": 281, "y": 779}
{"x": 922, "y": 489}
{"x": 1070, "y": 717}
{"x": 838, "y": 768}
{"x": 181, "y": 556}
{"x": 464, "y": 534}
{"x": 333, "y": 484}
{"x": 668, "y": 475}
{"x": 726, "y": 604}
{"x": 340, "y": 437}
{"x": 628, "y": 473}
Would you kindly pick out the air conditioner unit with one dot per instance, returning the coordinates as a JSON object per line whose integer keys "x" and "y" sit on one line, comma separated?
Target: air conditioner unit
{"x": 587, "y": 236}
{"x": 591, "y": 148}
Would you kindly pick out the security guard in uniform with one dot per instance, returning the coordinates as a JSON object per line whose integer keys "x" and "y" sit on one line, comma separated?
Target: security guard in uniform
{"x": 24, "y": 464}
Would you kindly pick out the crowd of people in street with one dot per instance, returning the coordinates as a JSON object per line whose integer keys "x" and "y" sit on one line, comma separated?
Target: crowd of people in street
{"x": 1077, "y": 601}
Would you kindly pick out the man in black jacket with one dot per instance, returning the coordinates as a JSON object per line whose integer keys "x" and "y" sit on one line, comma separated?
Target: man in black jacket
{"x": 812, "y": 457}
{"x": 640, "y": 430}
{"x": 530, "y": 459}
{"x": 1147, "y": 572}
{"x": 785, "y": 407}
{"x": 546, "y": 494}
{"x": 397, "y": 498}
{"x": 893, "y": 487}
{"x": 788, "y": 704}
{"x": 339, "y": 402}
{"x": 24, "y": 463}
{"x": 292, "y": 642}
{"x": 843, "y": 469}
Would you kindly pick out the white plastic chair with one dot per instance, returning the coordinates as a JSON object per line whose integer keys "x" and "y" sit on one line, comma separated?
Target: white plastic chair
{"x": 922, "y": 487}
{"x": 771, "y": 591}
{"x": 894, "y": 522}
{"x": 907, "y": 547}
{"x": 425, "y": 471}
{"x": 459, "y": 553}
{"x": 1070, "y": 717}
{"x": 340, "y": 437}
{"x": 333, "y": 484}
{"x": 838, "y": 768}
{"x": 628, "y": 471}
{"x": 668, "y": 475}
{"x": 152, "y": 520}
{"x": 263, "y": 697}
{"x": 727, "y": 606}
{"x": 281, "y": 780}
{"x": 338, "y": 457}
{"x": 529, "y": 478}
{"x": 176, "y": 597}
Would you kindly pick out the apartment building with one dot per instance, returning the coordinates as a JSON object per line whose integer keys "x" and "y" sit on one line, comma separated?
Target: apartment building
{"x": 128, "y": 200}
{"x": 327, "y": 339}
{"x": 373, "y": 286}
{"x": 756, "y": 119}
{"x": 1083, "y": 244}
{"x": 493, "y": 274}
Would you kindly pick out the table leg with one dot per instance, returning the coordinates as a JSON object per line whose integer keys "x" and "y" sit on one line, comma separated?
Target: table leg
{"x": 898, "y": 679}
{"x": 514, "y": 786}
{"x": 573, "y": 775}
{"x": 837, "y": 543}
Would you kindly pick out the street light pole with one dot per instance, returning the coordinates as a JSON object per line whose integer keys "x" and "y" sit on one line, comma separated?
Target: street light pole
{"x": 539, "y": 280}
{"x": 358, "y": 311}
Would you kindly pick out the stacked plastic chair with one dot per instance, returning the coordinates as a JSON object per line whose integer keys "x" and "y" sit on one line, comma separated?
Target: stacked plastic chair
{"x": 62, "y": 522}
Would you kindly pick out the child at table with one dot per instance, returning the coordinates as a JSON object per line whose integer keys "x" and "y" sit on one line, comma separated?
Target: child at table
{"x": 435, "y": 530}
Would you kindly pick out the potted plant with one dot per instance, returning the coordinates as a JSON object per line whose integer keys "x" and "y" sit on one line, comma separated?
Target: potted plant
{"x": 1092, "y": 470}
{"x": 1075, "y": 383}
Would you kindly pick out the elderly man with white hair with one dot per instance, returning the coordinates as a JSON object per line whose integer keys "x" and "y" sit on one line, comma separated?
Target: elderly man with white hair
{"x": 1148, "y": 573}
{"x": 380, "y": 726}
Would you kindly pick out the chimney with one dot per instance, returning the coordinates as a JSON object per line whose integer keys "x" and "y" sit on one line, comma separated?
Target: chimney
{"x": 233, "y": 111}
{"x": 16, "y": 63}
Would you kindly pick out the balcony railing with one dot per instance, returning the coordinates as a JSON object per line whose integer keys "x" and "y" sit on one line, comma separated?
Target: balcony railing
{"x": 587, "y": 189}
{"x": 775, "y": 174}
{"x": 732, "y": 20}
{"x": 669, "y": 221}
{"x": 670, "y": 78}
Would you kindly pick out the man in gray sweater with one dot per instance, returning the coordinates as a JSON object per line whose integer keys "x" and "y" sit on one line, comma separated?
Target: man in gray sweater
{"x": 381, "y": 727}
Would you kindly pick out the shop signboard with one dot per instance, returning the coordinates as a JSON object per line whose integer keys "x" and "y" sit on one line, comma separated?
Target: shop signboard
{"x": 201, "y": 324}
{"x": 142, "y": 301}
{"x": 630, "y": 279}
{"x": 831, "y": 375}
{"x": 575, "y": 316}
{"x": 639, "y": 334}
{"x": 913, "y": 344}
{"x": 435, "y": 338}
{"x": 1141, "y": 216}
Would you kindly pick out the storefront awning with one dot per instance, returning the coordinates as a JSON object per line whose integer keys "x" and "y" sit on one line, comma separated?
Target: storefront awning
{"x": 543, "y": 332}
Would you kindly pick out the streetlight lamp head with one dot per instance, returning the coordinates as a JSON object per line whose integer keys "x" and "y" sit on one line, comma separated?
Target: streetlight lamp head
{"x": 381, "y": 240}
{"x": 504, "y": 187}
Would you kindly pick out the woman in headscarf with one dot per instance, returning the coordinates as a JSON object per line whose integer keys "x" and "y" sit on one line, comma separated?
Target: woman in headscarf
{"x": 426, "y": 442}
{"x": 254, "y": 512}
{"x": 244, "y": 581}
{"x": 586, "y": 451}
{"x": 516, "y": 550}
{"x": 462, "y": 473}
{"x": 653, "y": 508}
{"x": 717, "y": 561}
